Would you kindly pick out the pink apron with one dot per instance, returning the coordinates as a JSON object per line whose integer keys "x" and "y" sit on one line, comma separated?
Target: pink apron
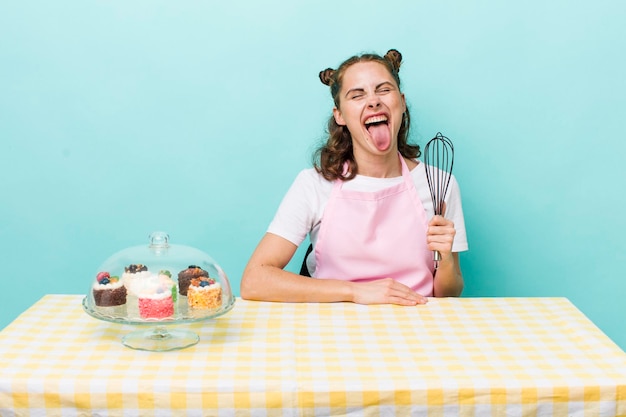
{"x": 365, "y": 236}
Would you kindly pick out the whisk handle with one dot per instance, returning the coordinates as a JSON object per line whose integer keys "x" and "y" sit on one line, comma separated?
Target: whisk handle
{"x": 436, "y": 258}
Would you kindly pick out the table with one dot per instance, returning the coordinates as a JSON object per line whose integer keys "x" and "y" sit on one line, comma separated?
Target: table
{"x": 454, "y": 356}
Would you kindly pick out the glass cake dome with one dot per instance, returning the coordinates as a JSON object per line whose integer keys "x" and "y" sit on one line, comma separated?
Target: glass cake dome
{"x": 159, "y": 284}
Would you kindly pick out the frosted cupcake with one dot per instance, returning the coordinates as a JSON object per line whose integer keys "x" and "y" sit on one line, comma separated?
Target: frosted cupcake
{"x": 156, "y": 295}
{"x": 132, "y": 274}
{"x": 204, "y": 293}
{"x": 186, "y": 275}
{"x": 108, "y": 291}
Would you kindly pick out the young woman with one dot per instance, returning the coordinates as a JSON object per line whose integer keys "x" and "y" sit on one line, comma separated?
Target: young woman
{"x": 365, "y": 205}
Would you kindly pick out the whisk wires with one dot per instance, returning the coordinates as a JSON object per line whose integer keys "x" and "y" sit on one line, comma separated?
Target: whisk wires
{"x": 438, "y": 163}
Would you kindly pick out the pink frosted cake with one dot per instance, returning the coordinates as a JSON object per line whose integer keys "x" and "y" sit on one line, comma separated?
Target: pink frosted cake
{"x": 108, "y": 291}
{"x": 156, "y": 296}
{"x": 204, "y": 293}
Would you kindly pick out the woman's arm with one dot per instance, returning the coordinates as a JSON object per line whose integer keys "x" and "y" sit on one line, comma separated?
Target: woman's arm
{"x": 448, "y": 277}
{"x": 265, "y": 279}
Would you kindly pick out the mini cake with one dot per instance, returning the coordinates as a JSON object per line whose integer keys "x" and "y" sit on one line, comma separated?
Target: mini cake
{"x": 133, "y": 273}
{"x": 185, "y": 276}
{"x": 204, "y": 293}
{"x": 108, "y": 291}
{"x": 156, "y": 295}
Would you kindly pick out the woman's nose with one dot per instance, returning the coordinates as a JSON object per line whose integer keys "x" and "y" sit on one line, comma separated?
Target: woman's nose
{"x": 373, "y": 101}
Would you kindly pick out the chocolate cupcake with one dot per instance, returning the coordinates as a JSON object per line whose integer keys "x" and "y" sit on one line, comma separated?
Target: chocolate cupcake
{"x": 185, "y": 276}
{"x": 108, "y": 291}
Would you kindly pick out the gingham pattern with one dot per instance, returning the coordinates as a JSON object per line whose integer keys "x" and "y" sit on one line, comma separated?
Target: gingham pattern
{"x": 451, "y": 357}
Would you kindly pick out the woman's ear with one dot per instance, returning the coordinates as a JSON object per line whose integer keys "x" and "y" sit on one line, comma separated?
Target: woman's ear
{"x": 338, "y": 117}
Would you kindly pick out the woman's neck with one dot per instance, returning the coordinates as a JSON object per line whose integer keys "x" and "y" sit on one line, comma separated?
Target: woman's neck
{"x": 379, "y": 166}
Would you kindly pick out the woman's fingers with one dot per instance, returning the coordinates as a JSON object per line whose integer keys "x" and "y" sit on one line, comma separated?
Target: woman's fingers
{"x": 440, "y": 234}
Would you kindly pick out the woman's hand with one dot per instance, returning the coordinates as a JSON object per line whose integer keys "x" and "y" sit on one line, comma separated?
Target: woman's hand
{"x": 440, "y": 235}
{"x": 385, "y": 291}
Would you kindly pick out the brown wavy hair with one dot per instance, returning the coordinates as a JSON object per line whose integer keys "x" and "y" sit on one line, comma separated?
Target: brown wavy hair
{"x": 330, "y": 158}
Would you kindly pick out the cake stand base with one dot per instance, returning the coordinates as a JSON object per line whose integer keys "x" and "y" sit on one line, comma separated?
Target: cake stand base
{"x": 159, "y": 339}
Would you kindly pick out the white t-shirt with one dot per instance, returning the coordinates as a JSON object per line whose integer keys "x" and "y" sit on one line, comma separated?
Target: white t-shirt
{"x": 300, "y": 212}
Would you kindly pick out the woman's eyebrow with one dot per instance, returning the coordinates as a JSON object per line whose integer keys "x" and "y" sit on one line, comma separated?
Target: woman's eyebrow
{"x": 389, "y": 83}
{"x": 354, "y": 90}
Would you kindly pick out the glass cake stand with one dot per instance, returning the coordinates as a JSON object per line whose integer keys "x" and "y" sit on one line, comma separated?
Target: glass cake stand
{"x": 156, "y": 286}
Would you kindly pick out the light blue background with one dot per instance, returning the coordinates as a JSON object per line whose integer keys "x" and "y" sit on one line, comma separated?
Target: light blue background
{"x": 118, "y": 118}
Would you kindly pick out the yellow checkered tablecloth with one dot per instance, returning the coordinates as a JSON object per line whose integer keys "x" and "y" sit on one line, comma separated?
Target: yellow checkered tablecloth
{"x": 451, "y": 357}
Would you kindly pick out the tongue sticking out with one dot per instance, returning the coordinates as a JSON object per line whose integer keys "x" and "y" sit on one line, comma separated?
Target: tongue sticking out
{"x": 380, "y": 135}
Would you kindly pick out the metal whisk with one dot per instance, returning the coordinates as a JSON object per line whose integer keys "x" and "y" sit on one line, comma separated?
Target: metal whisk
{"x": 438, "y": 162}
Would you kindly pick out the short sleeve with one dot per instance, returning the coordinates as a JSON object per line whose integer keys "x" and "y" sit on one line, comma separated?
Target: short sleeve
{"x": 301, "y": 207}
{"x": 454, "y": 212}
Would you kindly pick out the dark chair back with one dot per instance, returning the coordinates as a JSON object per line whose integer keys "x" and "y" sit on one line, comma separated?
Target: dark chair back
{"x": 304, "y": 271}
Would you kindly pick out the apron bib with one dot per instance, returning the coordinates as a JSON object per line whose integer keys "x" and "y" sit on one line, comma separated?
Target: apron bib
{"x": 366, "y": 236}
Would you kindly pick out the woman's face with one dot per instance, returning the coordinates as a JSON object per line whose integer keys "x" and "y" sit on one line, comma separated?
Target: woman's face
{"x": 371, "y": 106}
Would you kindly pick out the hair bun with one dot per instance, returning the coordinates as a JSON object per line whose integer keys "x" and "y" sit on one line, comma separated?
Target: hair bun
{"x": 395, "y": 58}
{"x": 327, "y": 76}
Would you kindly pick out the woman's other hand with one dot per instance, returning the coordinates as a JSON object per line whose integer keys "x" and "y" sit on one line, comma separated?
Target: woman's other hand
{"x": 385, "y": 291}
